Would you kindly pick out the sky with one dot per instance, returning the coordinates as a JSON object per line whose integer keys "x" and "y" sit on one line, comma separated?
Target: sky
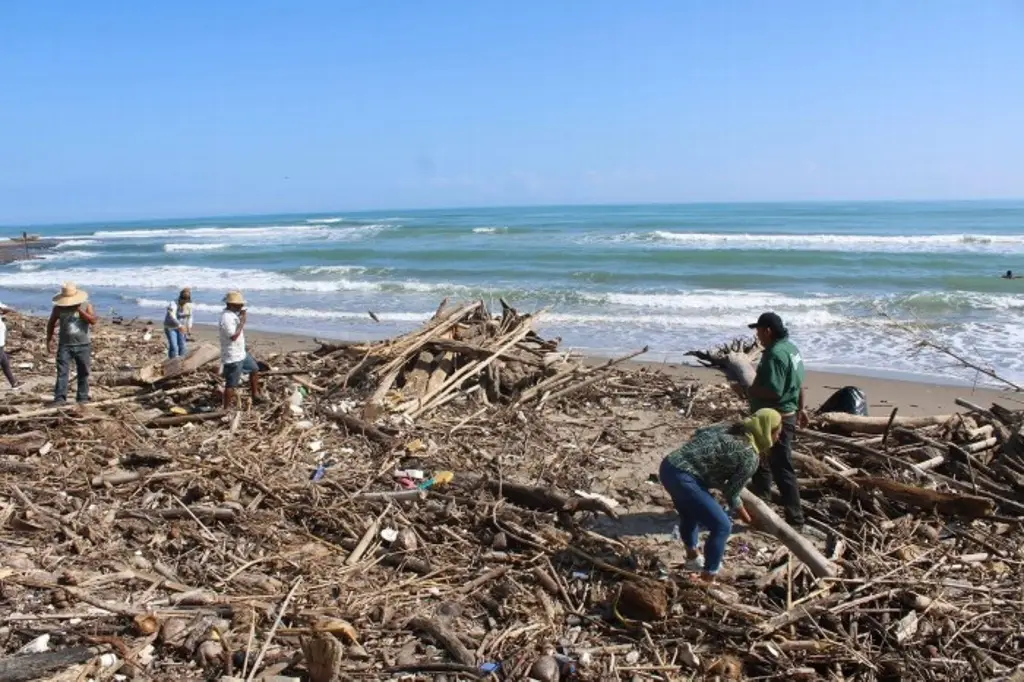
{"x": 117, "y": 110}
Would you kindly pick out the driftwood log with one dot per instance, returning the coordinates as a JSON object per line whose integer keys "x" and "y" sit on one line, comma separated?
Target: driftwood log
{"x": 853, "y": 423}
{"x": 35, "y": 666}
{"x": 767, "y": 520}
{"x": 540, "y": 498}
{"x": 949, "y": 504}
{"x": 737, "y": 360}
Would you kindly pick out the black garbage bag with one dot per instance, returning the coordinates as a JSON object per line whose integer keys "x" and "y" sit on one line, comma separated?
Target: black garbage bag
{"x": 849, "y": 400}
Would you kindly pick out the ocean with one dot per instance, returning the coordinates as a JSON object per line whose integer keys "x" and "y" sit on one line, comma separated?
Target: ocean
{"x": 610, "y": 278}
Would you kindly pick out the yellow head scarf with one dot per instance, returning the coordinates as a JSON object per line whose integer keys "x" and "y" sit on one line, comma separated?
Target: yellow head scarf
{"x": 760, "y": 427}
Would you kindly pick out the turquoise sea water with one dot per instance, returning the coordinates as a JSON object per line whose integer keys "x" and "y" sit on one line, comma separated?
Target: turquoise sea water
{"x": 613, "y": 278}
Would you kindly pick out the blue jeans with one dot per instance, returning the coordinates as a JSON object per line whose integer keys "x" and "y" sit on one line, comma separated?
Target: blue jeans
{"x": 697, "y": 508}
{"x": 233, "y": 371}
{"x": 176, "y": 347}
{"x": 82, "y": 357}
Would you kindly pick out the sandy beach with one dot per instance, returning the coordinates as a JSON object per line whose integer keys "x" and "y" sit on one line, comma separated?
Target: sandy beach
{"x": 912, "y": 398}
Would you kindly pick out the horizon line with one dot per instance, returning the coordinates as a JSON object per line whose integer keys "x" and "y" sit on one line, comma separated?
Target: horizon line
{"x": 498, "y": 207}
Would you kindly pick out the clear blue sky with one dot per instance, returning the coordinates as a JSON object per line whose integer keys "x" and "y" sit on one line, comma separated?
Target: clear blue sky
{"x": 152, "y": 109}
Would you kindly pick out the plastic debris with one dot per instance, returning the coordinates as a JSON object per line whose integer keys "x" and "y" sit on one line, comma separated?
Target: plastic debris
{"x": 440, "y": 478}
{"x": 37, "y": 646}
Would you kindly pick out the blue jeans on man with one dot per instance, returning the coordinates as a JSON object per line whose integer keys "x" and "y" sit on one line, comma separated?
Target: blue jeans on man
{"x": 81, "y": 355}
{"x": 233, "y": 371}
{"x": 697, "y": 508}
{"x": 176, "y": 342}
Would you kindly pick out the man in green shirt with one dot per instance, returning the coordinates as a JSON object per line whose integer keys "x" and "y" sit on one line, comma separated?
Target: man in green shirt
{"x": 779, "y": 384}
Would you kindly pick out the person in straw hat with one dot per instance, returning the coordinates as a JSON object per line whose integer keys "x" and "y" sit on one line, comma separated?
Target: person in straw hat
{"x": 72, "y": 319}
{"x": 233, "y": 355}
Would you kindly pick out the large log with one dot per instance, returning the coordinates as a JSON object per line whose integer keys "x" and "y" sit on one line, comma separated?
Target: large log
{"x": 165, "y": 370}
{"x": 853, "y": 423}
{"x": 538, "y": 497}
{"x": 34, "y": 666}
{"x": 767, "y": 520}
{"x": 737, "y": 360}
{"x": 949, "y": 504}
{"x": 22, "y": 443}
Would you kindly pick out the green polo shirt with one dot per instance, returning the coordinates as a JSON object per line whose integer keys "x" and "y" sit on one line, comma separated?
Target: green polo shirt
{"x": 782, "y": 370}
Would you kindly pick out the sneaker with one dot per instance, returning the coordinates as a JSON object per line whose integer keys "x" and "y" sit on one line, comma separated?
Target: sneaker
{"x": 695, "y": 564}
{"x": 259, "y": 400}
{"x": 57, "y": 403}
{"x": 16, "y": 385}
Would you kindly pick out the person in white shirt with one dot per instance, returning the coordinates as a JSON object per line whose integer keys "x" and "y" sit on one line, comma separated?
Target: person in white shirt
{"x": 233, "y": 355}
{"x": 5, "y": 362}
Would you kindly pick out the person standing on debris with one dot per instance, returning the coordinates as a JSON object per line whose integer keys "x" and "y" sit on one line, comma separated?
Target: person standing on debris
{"x": 72, "y": 318}
{"x": 5, "y": 362}
{"x": 233, "y": 355}
{"x": 176, "y": 346}
{"x": 724, "y": 457}
{"x": 779, "y": 384}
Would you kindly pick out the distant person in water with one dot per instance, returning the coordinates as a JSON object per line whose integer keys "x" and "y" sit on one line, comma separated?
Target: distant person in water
{"x": 1009, "y": 275}
{"x": 72, "y": 319}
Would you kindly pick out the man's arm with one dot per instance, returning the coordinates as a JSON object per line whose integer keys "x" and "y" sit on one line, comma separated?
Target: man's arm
{"x": 88, "y": 314}
{"x": 50, "y": 326}
{"x": 801, "y": 413}
{"x": 240, "y": 327}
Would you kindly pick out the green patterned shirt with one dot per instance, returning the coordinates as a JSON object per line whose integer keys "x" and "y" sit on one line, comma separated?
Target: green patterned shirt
{"x": 719, "y": 460}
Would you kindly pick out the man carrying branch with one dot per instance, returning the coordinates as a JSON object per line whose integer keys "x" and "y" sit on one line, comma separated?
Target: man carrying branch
{"x": 778, "y": 385}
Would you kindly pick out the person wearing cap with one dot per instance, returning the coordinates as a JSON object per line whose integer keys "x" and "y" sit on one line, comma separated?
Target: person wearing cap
{"x": 779, "y": 384}
{"x": 5, "y": 362}
{"x": 234, "y": 357}
{"x": 72, "y": 319}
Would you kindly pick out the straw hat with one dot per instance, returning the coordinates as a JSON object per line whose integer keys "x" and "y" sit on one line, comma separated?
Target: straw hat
{"x": 70, "y": 295}
{"x": 234, "y": 298}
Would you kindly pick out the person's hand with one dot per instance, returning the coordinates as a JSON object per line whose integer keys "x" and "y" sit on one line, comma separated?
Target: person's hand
{"x": 744, "y": 516}
{"x": 242, "y": 314}
{"x": 49, "y": 347}
{"x": 802, "y": 420}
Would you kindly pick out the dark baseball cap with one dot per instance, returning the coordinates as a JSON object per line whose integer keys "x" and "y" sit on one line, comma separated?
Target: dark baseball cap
{"x": 769, "y": 321}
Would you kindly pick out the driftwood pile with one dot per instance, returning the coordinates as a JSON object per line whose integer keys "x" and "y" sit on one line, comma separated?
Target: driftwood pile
{"x": 424, "y": 508}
